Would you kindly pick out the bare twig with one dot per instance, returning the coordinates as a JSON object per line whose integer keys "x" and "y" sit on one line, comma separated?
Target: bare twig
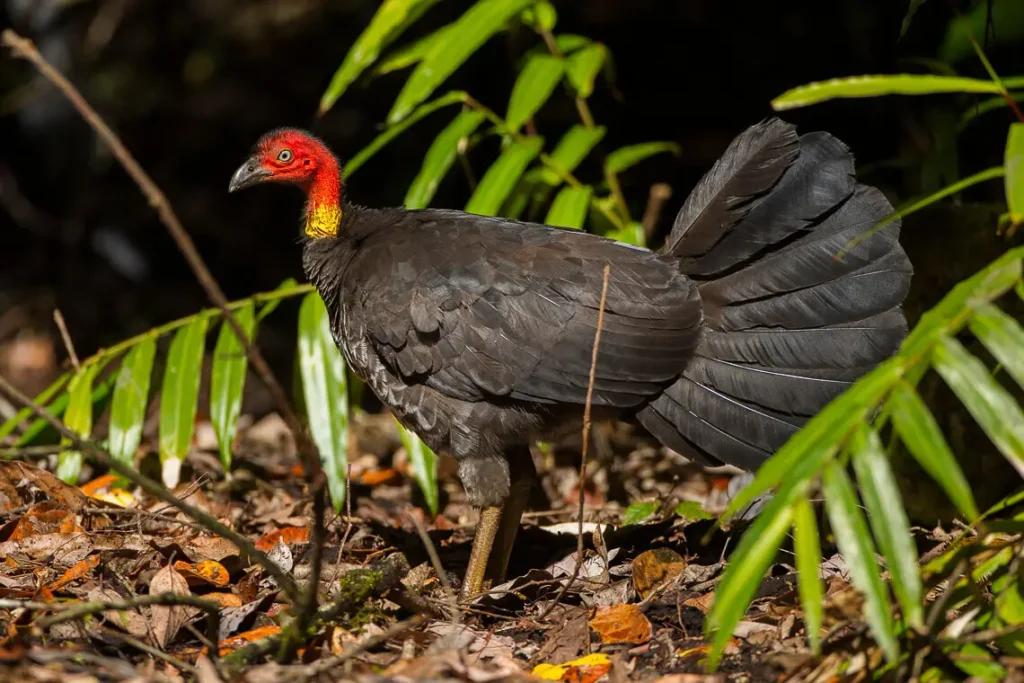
{"x": 583, "y": 454}
{"x": 66, "y": 336}
{"x": 659, "y": 194}
{"x": 25, "y": 49}
{"x": 435, "y": 560}
{"x": 157, "y": 491}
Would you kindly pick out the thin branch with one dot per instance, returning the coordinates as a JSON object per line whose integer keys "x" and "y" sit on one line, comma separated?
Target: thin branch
{"x": 435, "y": 560}
{"x": 66, "y": 336}
{"x": 25, "y": 49}
{"x": 656, "y": 198}
{"x": 157, "y": 491}
{"x": 583, "y": 454}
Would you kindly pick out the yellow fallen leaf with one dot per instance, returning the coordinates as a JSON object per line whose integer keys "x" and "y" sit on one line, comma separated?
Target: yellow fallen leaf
{"x": 118, "y": 497}
{"x": 583, "y": 670}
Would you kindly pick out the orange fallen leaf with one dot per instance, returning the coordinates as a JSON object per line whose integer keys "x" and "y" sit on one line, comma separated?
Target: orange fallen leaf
{"x": 224, "y": 599}
{"x": 98, "y": 484}
{"x": 583, "y": 670}
{"x": 378, "y": 477}
{"x": 654, "y": 568}
{"x": 289, "y": 535}
{"x": 242, "y": 639}
{"x": 47, "y": 517}
{"x": 78, "y": 570}
{"x": 206, "y": 571}
{"x": 621, "y": 624}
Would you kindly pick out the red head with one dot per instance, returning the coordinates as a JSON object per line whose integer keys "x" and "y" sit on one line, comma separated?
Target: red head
{"x": 289, "y": 155}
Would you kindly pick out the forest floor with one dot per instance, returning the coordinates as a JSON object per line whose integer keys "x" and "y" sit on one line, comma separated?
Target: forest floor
{"x": 635, "y": 613}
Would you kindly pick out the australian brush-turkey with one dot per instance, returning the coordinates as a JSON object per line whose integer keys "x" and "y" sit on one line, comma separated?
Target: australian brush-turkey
{"x": 772, "y": 294}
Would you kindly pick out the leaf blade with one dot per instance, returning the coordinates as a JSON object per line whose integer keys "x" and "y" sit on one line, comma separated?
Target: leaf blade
{"x": 569, "y": 209}
{"x": 468, "y": 33}
{"x": 393, "y": 131}
{"x": 854, "y": 542}
{"x": 582, "y": 67}
{"x": 807, "y": 548}
{"x": 440, "y": 157}
{"x": 325, "y": 393}
{"x": 128, "y": 408}
{"x": 1002, "y": 336}
{"x": 424, "y": 466}
{"x": 500, "y": 179}
{"x": 992, "y": 407}
{"x": 571, "y": 149}
{"x": 533, "y": 87}
{"x": 77, "y": 418}
{"x": 878, "y": 85}
{"x": 920, "y": 433}
{"x": 631, "y": 155}
{"x": 1013, "y": 162}
{"x": 179, "y": 397}
{"x": 227, "y": 379}
{"x": 888, "y": 520}
{"x": 387, "y": 24}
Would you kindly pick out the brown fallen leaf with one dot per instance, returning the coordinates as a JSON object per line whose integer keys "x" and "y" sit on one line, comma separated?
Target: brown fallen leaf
{"x": 701, "y": 602}
{"x": 653, "y": 568}
{"x": 19, "y": 482}
{"x": 210, "y": 548}
{"x": 168, "y": 619}
{"x": 78, "y": 570}
{"x": 225, "y": 600}
{"x": 621, "y": 624}
{"x": 204, "y": 572}
{"x": 289, "y": 535}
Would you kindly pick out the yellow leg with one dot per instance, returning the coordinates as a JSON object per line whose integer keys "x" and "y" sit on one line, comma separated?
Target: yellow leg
{"x": 486, "y": 530}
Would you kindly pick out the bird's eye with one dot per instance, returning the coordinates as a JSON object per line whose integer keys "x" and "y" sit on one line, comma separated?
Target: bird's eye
{"x": 284, "y": 156}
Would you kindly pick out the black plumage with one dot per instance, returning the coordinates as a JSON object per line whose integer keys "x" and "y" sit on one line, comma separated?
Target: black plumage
{"x": 773, "y": 293}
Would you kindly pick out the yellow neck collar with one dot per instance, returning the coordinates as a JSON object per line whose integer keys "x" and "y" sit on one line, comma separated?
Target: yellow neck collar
{"x": 322, "y": 220}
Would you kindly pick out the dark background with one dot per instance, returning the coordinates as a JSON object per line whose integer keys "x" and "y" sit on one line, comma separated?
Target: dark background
{"x": 191, "y": 84}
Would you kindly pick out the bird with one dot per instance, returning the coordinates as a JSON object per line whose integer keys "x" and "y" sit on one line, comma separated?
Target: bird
{"x": 778, "y": 286}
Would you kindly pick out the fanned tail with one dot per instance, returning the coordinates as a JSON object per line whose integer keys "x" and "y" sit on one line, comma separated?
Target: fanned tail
{"x": 800, "y": 297}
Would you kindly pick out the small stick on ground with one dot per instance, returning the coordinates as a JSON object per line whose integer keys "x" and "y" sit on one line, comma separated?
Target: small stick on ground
{"x": 435, "y": 560}
{"x": 583, "y": 454}
{"x": 66, "y": 336}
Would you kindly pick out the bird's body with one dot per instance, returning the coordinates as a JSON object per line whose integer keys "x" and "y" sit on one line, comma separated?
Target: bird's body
{"x": 770, "y": 297}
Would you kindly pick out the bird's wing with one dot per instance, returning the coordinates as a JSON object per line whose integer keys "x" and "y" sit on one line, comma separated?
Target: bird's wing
{"x": 478, "y": 308}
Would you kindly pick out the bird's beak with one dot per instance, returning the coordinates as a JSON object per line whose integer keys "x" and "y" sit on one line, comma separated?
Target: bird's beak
{"x": 248, "y": 174}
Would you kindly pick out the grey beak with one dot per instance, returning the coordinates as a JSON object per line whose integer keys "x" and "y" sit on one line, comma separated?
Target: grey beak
{"x": 248, "y": 174}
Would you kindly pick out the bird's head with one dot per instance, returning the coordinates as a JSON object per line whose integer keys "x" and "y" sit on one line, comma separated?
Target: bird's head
{"x": 294, "y": 157}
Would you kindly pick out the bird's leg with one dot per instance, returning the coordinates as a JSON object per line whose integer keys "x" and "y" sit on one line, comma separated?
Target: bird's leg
{"x": 522, "y": 473}
{"x": 498, "y": 525}
{"x": 486, "y": 529}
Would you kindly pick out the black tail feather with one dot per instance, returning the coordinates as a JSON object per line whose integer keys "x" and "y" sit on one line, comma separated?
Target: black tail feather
{"x": 801, "y": 294}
